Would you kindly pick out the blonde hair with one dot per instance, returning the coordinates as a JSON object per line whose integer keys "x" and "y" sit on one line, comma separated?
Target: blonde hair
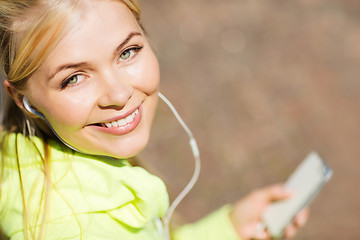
{"x": 26, "y": 42}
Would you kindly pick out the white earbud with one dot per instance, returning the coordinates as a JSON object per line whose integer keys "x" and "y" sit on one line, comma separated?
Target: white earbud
{"x": 37, "y": 113}
{"x": 31, "y": 109}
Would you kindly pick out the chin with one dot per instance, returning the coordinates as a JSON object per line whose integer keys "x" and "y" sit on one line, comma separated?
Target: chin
{"x": 118, "y": 153}
{"x": 128, "y": 149}
{"x": 125, "y": 154}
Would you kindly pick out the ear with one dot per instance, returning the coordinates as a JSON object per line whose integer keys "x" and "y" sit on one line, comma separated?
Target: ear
{"x": 14, "y": 93}
{"x": 17, "y": 96}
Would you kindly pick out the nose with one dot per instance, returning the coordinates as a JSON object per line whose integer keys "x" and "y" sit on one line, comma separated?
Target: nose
{"x": 115, "y": 92}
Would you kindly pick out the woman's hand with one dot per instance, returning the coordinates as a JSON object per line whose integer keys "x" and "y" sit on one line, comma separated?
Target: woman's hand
{"x": 247, "y": 213}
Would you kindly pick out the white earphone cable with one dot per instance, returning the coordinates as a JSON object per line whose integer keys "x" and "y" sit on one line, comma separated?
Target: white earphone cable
{"x": 195, "y": 176}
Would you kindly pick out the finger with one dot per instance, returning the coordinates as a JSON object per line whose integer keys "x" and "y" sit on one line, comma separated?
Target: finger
{"x": 302, "y": 217}
{"x": 261, "y": 236}
{"x": 254, "y": 231}
{"x": 260, "y": 232}
{"x": 299, "y": 221}
{"x": 273, "y": 193}
{"x": 290, "y": 231}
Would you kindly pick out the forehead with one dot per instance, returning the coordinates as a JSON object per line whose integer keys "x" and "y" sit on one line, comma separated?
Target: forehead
{"x": 101, "y": 25}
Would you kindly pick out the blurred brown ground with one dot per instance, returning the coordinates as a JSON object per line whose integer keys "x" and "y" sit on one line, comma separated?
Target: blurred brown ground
{"x": 261, "y": 84}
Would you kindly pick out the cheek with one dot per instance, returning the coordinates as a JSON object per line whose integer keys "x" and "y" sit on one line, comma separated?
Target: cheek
{"x": 68, "y": 113}
{"x": 146, "y": 74}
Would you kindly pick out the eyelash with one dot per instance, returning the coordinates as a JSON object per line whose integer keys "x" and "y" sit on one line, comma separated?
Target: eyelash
{"x": 136, "y": 49}
{"x": 66, "y": 82}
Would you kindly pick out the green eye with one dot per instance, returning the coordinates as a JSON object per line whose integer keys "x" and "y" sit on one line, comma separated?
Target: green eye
{"x": 73, "y": 79}
{"x": 127, "y": 54}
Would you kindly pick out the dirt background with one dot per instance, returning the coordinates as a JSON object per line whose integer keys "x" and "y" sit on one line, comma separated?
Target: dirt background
{"x": 261, "y": 84}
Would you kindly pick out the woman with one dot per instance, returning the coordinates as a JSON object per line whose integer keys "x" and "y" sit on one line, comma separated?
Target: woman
{"x": 83, "y": 85}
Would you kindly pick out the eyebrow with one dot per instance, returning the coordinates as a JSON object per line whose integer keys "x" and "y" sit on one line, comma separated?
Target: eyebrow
{"x": 84, "y": 64}
{"x": 129, "y": 37}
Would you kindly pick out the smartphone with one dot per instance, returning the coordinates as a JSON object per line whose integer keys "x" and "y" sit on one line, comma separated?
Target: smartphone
{"x": 305, "y": 182}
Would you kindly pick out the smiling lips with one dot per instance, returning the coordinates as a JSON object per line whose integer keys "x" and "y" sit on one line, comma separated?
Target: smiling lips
{"x": 122, "y": 122}
{"x": 123, "y": 125}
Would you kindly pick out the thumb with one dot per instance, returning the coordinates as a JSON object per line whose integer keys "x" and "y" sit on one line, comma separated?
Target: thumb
{"x": 275, "y": 193}
{"x": 253, "y": 230}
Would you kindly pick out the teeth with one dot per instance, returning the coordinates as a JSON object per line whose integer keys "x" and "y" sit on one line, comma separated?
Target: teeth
{"x": 122, "y": 122}
{"x": 129, "y": 118}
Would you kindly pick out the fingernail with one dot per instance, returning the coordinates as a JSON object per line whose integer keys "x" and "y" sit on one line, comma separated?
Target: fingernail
{"x": 301, "y": 220}
{"x": 262, "y": 235}
{"x": 260, "y": 231}
{"x": 290, "y": 232}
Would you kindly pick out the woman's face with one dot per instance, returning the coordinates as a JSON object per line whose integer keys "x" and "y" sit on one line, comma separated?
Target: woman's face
{"x": 98, "y": 89}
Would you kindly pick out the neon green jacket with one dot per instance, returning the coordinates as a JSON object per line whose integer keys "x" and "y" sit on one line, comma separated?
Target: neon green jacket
{"x": 71, "y": 195}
